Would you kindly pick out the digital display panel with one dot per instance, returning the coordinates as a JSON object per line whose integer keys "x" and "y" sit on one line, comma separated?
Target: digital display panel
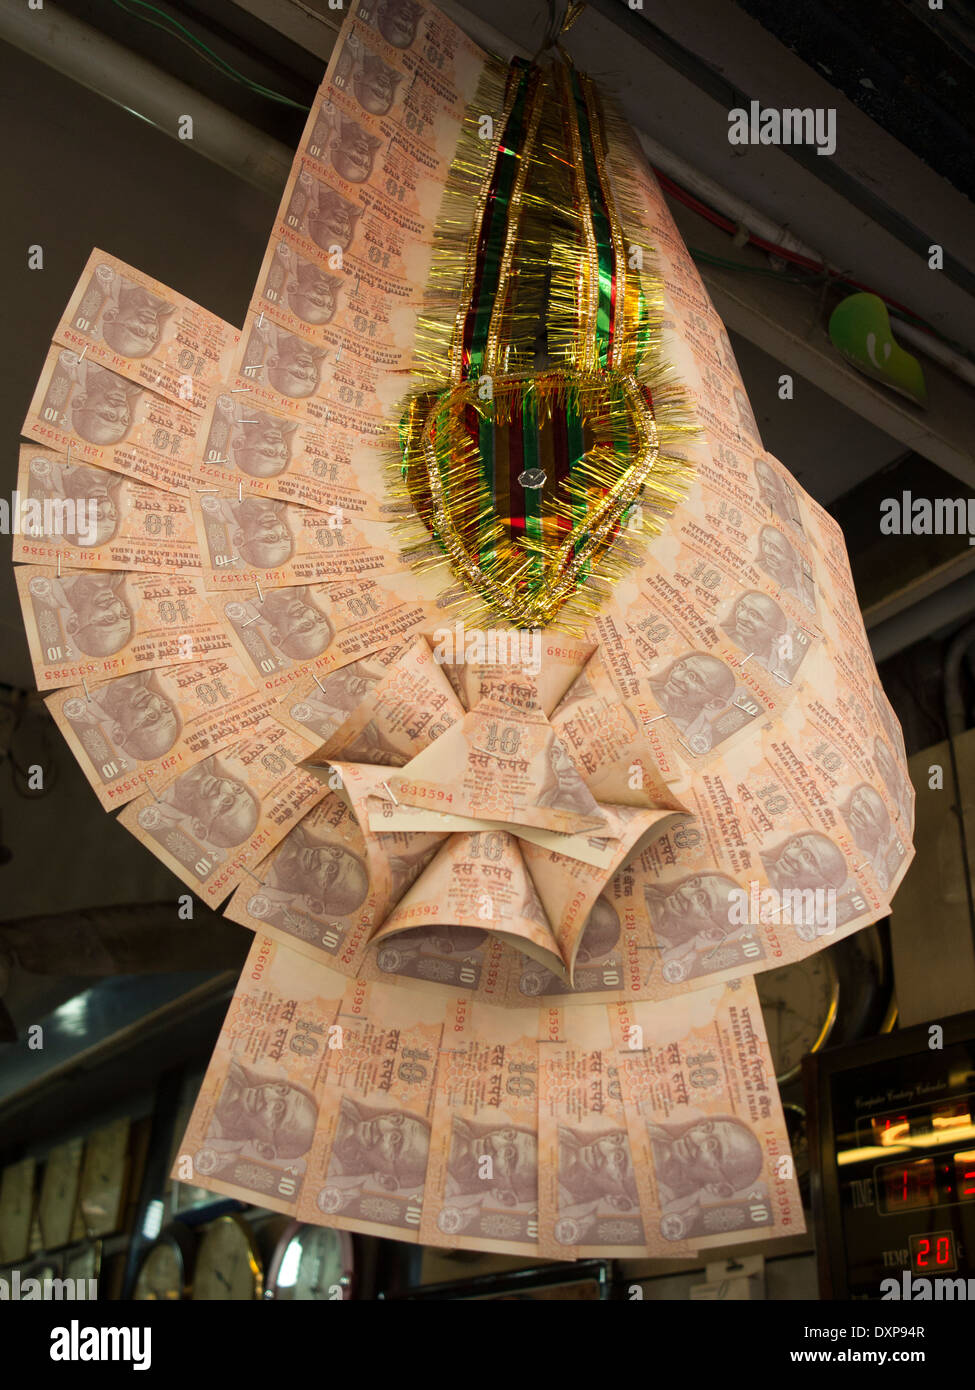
{"x": 907, "y": 1186}
{"x": 935, "y": 1251}
{"x": 895, "y": 1155}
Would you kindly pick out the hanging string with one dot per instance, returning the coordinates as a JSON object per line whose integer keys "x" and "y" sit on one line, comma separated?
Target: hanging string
{"x": 558, "y": 25}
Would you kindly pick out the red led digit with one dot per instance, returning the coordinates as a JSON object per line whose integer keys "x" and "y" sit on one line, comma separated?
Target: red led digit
{"x": 942, "y": 1255}
{"x": 924, "y": 1249}
{"x": 909, "y": 1185}
{"x": 965, "y": 1175}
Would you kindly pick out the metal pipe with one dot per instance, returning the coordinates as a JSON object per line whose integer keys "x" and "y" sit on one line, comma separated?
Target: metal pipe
{"x": 935, "y": 348}
{"x": 955, "y": 721}
{"x": 103, "y": 66}
{"x": 954, "y": 699}
{"x": 724, "y": 201}
{"x": 754, "y": 221}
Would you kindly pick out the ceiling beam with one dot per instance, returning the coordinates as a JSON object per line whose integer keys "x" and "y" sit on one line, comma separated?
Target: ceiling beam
{"x": 787, "y": 321}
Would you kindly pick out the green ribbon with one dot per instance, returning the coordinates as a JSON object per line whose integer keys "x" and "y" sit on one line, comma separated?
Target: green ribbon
{"x": 606, "y": 310}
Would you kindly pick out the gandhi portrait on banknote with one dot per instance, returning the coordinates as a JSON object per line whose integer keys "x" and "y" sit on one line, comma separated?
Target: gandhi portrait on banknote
{"x": 374, "y": 84}
{"x": 397, "y": 21}
{"x": 102, "y": 411}
{"x": 332, "y": 220}
{"x": 601, "y": 932}
{"x": 344, "y": 689}
{"x": 406, "y": 864}
{"x": 692, "y": 690}
{"x": 746, "y": 415}
{"x": 755, "y": 622}
{"x": 806, "y": 860}
{"x": 294, "y": 367}
{"x": 563, "y": 788}
{"x": 133, "y": 324}
{"x": 261, "y": 444}
{"x": 776, "y": 494}
{"x": 323, "y": 878}
{"x": 870, "y": 825}
{"x": 780, "y": 560}
{"x": 100, "y": 622}
{"x": 596, "y": 1168}
{"x": 144, "y": 723}
{"x": 311, "y": 294}
{"x": 99, "y": 491}
{"x": 695, "y": 907}
{"x": 493, "y": 1160}
{"x": 354, "y": 152}
{"x": 892, "y": 778}
{"x": 262, "y": 536}
{"x": 255, "y": 1113}
{"x": 298, "y": 627}
{"x": 716, "y": 1157}
{"x": 389, "y": 1146}
{"x": 220, "y": 809}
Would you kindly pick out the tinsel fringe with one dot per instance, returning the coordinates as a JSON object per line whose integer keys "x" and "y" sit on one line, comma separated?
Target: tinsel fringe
{"x": 546, "y": 276}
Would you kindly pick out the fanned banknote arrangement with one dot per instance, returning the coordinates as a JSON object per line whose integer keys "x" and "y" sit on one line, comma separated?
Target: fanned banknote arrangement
{"x": 451, "y": 623}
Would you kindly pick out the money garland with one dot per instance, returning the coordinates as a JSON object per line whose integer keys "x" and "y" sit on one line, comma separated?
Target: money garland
{"x": 509, "y": 884}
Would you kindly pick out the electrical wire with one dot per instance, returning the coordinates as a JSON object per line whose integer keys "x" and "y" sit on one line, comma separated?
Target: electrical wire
{"x": 708, "y": 258}
{"x": 182, "y": 35}
{"x": 818, "y": 270}
{"x": 179, "y": 31}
